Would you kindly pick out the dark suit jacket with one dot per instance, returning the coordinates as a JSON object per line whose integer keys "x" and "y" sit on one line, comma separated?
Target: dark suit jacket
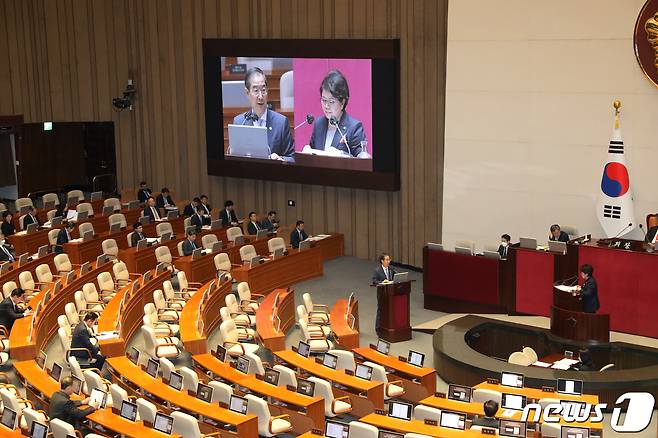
{"x": 503, "y": 251}
{"x": 590, "y": 295}
{"x": 351, "y": 127}
{"x": 28, "y": 219}
{"x": 650, "y": 234}
{"x": 160, "y": 201}
{"x": 226, "y": 221}
{"x": 207, "y": 207}
{"x": 295, "y": 239}
{"x": 269, "y": 225}
{"x": 9, "y": 313}
{"x": 251, "y": 228}
{"x": 378, "y": 276}
{"x": 485, "y": 422}
{"x": 7, "y": 228}
{"x": 148, "y": 212}
{"x": 62, "y": 238}
{"x": 136, "y": 237}
{"x": 189, "y": 247}
{"x": 81, "y": 338}
{"x": 279, "y": 134}
{"x": 67, "y": 410}
{"x": 189, "y": 210}
{"x": 4, "y": 257}
{"x": 144, "y": 194}
{"x": 564, "y": 237}
{"x": 197, "y": 221}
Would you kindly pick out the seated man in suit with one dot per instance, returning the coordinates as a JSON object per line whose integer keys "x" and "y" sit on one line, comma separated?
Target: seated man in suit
{"x": 197, "y": 218}
{"x": 189, "y": 245}
{"x": 164, "y": 200}
{"x": 651, "y": 236}
{"x": 557, "y": 235}
{"x": 6, "y": 254}
{"x": 11, "y": 308}
{"x": 190, "y": 209}
{"x": 253, "y": 227}
{"x": 7, "y": 226}
{"x": 64, "y": 236}
{"x": 152, "y": 211}
{"x": 588, "y": 291}
{"x": 138, "y": 234}
{"x": 63, "y": 408}
{"x": 489, "y": 419}
{"x": 298, "y": 235}
{"x": 271, "y": 223}
{"x": 228, "y": 216}
{"x": 504, "y": 245}
{"x": 81, "y": 338}
{"x": 585, "y": 362}
{"x": 384, "y": 271}
{"x": 144, "y": 193}
{"x": 279, "y": 135}
{"x": 206, "y": 209}
{"x": 30, "y": 218}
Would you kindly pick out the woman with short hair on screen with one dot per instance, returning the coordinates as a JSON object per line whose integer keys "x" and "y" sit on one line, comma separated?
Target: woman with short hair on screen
{"x": 336, "y": 131}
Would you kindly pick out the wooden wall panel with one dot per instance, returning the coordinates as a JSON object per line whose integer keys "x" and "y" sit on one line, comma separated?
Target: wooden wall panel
{"x": 66, "y": 59}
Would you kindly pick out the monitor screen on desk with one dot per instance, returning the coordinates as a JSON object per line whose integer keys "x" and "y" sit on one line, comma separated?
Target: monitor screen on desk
{"x": 41, "y": 359}
{"x": 76, "y": 384}
{"x": 459, "y": 393}
{"x": 98, "y": 398}
{"x": 152, "y": 367}
{"x": 513, "y": 401}
{"x": 56, "y": 371}
{"x": 453, "y": 420}
{"x": 133, "y": 355}
{"x": 330, "y": 361}
{"x": 163, "y": 423}
{"x": 416, "y": 358}
{"x": 38, "y": 430}
{"x": 242, "y": 364}
{"x": 383, "y": 347}
{"x": 271, "y": 376}
{"x": 515, "y": 429}
{"x": 128, "y": 410}
{"x": 363, "y": 371}
{"x": 511, "y": 379}
{"x": 8, "y": 418}
{"x": 387, "y": 434}
{"x": 303, "y": 349}
{"x": 204, "y": 392}
{"x": 305, "y": 387}
{"x": 336, "y": 429}
{"x": 574, "y": 432}
{"x": 220, "y": 353}
{"x": 176, "y": 380}
{"x": 571, "y": 387}
{"x": 238, "y": 404}
{"x": 400, "y": 410}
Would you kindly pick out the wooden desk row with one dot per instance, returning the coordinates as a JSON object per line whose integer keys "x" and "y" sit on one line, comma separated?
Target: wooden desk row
{"x": 15, "y": 269}
{"x": 42, "y": 213}
{"x": 346, "y": 334}
{"x": 273, "y": 339}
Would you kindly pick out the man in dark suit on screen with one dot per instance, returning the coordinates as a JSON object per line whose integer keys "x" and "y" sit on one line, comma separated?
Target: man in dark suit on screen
{"x": 197, "y": 219}
{"x": 189, "y": 245}
{"x": 271, "y": 223}
{"x": 589, "y": 291}
{"x": 30, "y": 218}
{"x": 164, "y": 199}
{"x": 253, "y": 227}
{"x": 557, "y": 235}
{"x": 298, "y": 235}
{"x": 190, "y": 209}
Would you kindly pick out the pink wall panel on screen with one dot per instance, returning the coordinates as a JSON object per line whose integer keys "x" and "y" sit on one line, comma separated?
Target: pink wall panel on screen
{"x": 308, "y": 75}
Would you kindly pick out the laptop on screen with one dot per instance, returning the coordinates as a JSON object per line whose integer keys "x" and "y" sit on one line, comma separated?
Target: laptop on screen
{"x": 459, "y": 393}
{"x": 513, "y": 401}
{"x": 128, "y": 410}
{"x": 336, "y": 429}
{"x": 248, "y": 141}
{"x": 453, "y": 420}
{"x": 163, "y": 423}
{"x": 383, "y": 347}
{"x": 204, "y": 392}
{"x": 271, "y": 376}
{"x": 363, "y": 371}
{"x": 416, "y": 358}
{"x": 399, "y": 410}
{"x": 515, "y": 429}
{"x": 56, "y": 371}
{"x": 238, "y": 404}
{"x": 305, "y": 387}
{"x": 512, "y": 380}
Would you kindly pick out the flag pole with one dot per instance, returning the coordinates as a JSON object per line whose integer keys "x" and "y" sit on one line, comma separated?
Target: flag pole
{"x": 617, "y": 105}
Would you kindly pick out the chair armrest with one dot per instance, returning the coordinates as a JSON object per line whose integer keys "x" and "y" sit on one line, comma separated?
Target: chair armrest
{"x": 231, "y": 344}
{"x": 161, "y": 324}
{"x": 195, "y": 283}
{"x": 285, "y": 417}
{"x": 241, "y": 324}
{"x": 316, "y": 335}
{"x": 321, "y": 306}
{"x": 68, "y": 352}
{"x": 317, "y": 312}
{"x": 345, "y": 398}
{"x": 108, "y": 291}
{"x": 259, "y": 296}
{"x": 3, "y": 331}
{"x": 207, "y": 435}
{"x": 174, "y": 305}
{"x": 396, "y": 382}
{"x": 168, "y": 344}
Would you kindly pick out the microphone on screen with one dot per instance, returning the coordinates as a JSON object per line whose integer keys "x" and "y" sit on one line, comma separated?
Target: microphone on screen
{"x": 309, "y": 121}
{"x": 334, "y": 122}
{"x": 250, "y": 115}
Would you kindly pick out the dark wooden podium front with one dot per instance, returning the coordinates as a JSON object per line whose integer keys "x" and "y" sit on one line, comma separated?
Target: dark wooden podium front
{"x": 570, "y": 322}
{"x": 393, "y": 311}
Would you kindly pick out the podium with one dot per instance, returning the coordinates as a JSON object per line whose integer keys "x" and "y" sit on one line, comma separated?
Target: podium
{"x": 570, "y": 322}
{"x": 393, "y": 311}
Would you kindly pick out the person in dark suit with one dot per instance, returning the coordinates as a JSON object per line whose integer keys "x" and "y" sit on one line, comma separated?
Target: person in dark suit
{"x": 588, "y": 291}
{"x": 164, "y": 199}
{"x": 271, "y": 223}
{"x": 30, "y": 218}
{"x": 63, "y": 408}
{"x": 337, "y": 130}
{"x": 384, "y": 271}
{"x": 6, "y": 254}
{"x": 138, "y": 234}
{"x": 64, "y": 236}
{"x": 650, "y": 238}
{"x": 504, "y": 245}
{"x": 81, "y": 338}
{"x": 254, "y": 227}
{"x": 151, "y": 210}
{"x": 204, "y": 203}
{"x": 7, "y": 226}
{"x": 279, "y": 135}
{"x": 585, "y": 361}
{"x": 190, "y": 209}
{"x": 298, "y": 235}
{"x": 489, "y": 419}
{"x": 197, "y": 219}
{"x": 10, "y": 310}
{"x": 228, "y": 216}
{"x": 189, "y": 245}
{"x": 144, "y": 193}
{"x": 557, "y": 235}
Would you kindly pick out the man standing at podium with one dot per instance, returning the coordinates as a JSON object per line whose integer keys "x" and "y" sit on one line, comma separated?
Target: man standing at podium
{"x": 588, "y": 291}
{"x": 383, "y": 272}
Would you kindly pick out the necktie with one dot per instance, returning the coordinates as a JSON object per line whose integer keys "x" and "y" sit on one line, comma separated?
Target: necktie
{"x": 155, "y": 213}
{"x": 205, "y": 208}
{"x": 68, "y": 235}
{"x": 386, "y": 272}
{"x": 11, "y": 257}
{"x": 256, "y": 225}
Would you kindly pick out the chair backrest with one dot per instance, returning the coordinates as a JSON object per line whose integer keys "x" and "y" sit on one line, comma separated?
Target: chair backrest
{"x": 80, "y": 302}
{"x": 276, "y": 243}
{"x": 323, "y": 389}
{"x": 150, "y": 314}
{"x": 286, "y": 376}
{"x": 481, "y": 395}
{"x": 9, "y": 401}
{"x": 308, "y": 302}
{"x": 233, "y": 232}
{"x": 85, "y": 227}
{"x": 31, "y": 416}
{"x": 182, "y": 280}
{"x": 255, "y": 364}
{"x": 85, "y": 207}
{"x": 531, "y": 353}
{"x": 179, "y": 247}
{"x": 228, "y": 331}
{"x": 62, "y": 263}
{"x": 166, "y": 368}
{"x": 149, "y": 340}
{"x": 345, "y": 358}
{"x": 225, "y": 313}
{"x": 286, "y": 91}
{"x": 164, "y": 227}
{"x": 43, "y": 273}
{"x": 168, "y": 289}
{"x": 60, "y": 429}
{"x": 50, "y": 197}
{"x": 26, "y": 280}
{"x": 163, "y": 255}
{"x": 258, "y": 407}
{"x": 115, "y": 203}
{"x": 231, "y": 303}
{"x": 90, "y": 292}
{"x": 118, "y": 395}
{"x": 8, "y": 287}
{"x": 185, "y": 425}
{"x": 422, "y": 413}
{"x": 105, "y": 281}
{"x": 146, "y": 410}
{"x": 3, "y": 207}
{"x": 187, "y": 222}
{"x": 208, "y": 241}
{"x": 378, "y": 372}
{"x": 23, "y": 202}
{"x": 93, "y": 381}
{"x": 117, "y": 218}
{"x": 221, "y": 392}
{"x": 129, "y": 238}
{"x": 571, "y": 230}
{"x": 222, "y": 262}
{"x": 520, "y": 358}
{"x": 52, "y": 236}
{"x": 120, "y": 271}
{"x": 64, "y": 340}
{"x": 362, "y": 430}
{"x": 302, "y": 314}
{"x": 490, "y": 247}
{"x": 74, "y": 366}
{"x": 243, "y": 291}
{"x": 110, "y": 247}
{"x": 63, "y": 322}
{"x": 159, "y": 299}
{"x": 75, "y": 194}
{"x": 21, "y": 222}
{"x": 71, "y": 313}
{"x": 190, "y": 379}
{"x": 247, "y": 252}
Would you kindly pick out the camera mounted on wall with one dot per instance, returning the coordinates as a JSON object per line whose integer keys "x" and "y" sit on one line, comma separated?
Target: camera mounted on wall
{"x": 125, "y": 102}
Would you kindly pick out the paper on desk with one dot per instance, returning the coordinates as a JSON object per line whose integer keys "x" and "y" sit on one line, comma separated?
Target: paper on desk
{"x": 78, "y": 240}
{"x": 152, "y": 239}
{"x": 107, "y": 335}
{"x": 542, "y": 364}
{"x": 508, "y": 413}
{"x": 565, "y": 288}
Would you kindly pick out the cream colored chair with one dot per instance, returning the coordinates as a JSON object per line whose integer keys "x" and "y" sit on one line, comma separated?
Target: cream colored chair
{"x": 52, "y": 236}
{"x": 179, "y": 248}
{"x": 3, "y": 207}
{"x": 23, "y": 202}
{"x": 115, "y": 203}
{"x": 481, "y": 395}
{"x": 117, "y": 218}
{"x": 232, "y": 233}
{"x": 163, "y": 255}
{"x": 241, "y": 323}
{"x": 161, "y": 328}
{"x": 106, "y": 285}
{"x": 531, "y": 353}
{"x": 166, "y": 368}
{"x": 146, "y": 411}
{"x": 75, "y": 194}
{"x": 129, "y": 238}
{"x": 28, "y": 284}
{"x": 32, "y": 415}
{"x": 170, "y": 315}
{"x": 302, "y": 315}
{"x": 110, "y": 248}
{"x": 92, "y": 295}
{"x": 286, "y": 91}
{"x": 83, "y": 306}
{"x": 571, "y": 230}
{"x": 287, "y": 377}
{"x": 186, "y": 426}
{"x": 392, "y": 389}
{"x": 8, "y": 287}
{"x": 249, "y": 300}
{"x": 316, "y": 312}
{"x": 267, "y": 424}
{"x": 85, "y": 228}
{"x": 237, "y": 312}
{"x": 85, "y": 207}
{"x": 158, "y": 347}
{"x": 76, "y": 371}
{"x": 72, "y": 314}
{"x": 255, "y": 364}
{"x": 208, "y": 241}
{"x": 50, "y": 197}
{"x": 187, "y": 287}
{"x": 190, "y": 379}
{"x": 187, "y": 222}
{"x": 62, "y": 264}
{"x": 362, "y": 430}
{"x": 229, "y": 335}
{"x": 221, "y": 392}
{"x": 317, "y": 341}
{"x": 345, "y": 359}
{"x": 422, "y": 413}
{"x": 520, "y": 358}
{"x": 61, "y": 429}
{"x": 163, "y": 228}
{"x": 173, "y": 298}
{"x": 122, "y": 275}
{"x": 247, "y": 252}
{"x": 276, "y": 243}
{"x": 119, "y": 395}
{"x": 223, "y": 264}
{"x": 332, "y": 405}
{"x": 44, "y": 274}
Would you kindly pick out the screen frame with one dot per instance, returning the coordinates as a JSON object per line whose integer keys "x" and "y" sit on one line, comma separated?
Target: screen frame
{"x": 409, "y": 406}
{"x": 505, "y": 395}
{"x": 503, "y": 373}
{"x": 385, "y": 175}
{"x": 557, "y": 386}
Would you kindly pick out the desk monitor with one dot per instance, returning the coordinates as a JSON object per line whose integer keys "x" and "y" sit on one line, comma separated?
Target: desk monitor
{"x": 98, "y": 398}
{"x": 128, "y": 410}
{"x": 238, "y": 404}
{"x": 463, "y": 250}
{"x": 305, "y": 244}
{"x": 32, "y": 228}
{"x": 172, "y": 214}
{"x": 160, "y": 268}
{"x": 43, "y": 250}
{"x": 383, "y": 347}
{"x": 56, "y": 221}
{"x": 217, "y": 246}
{"x": 84, "y": 268}
{"x": 197, "y": 253}
{"x": 239, "y": 240}
{"x": 512, "y": 380}
{"x": 330, "y": 360}
{"x": 255, "y": 261}
{"x": 278, "y": 253}
{"x": 513, "y": 401}
{"x": 216, "y": 224}
{"x": 459, "y": 393}
{"x": 571, "y": 387}
{"x": 435, "y": 246}
{"x": 416, "y": 358}
{"x": 69, "y": 277}
{"x": 271, "y": 376}
{"x": 41, "y": 359}
{"x": 400, "y": 410}
{"x": 141, "y": 244}
{"x": 260, "y": 234}
{"x": 8, "y": 418}
{"x": 303, "y": 349}
{"x": 23, "y": 258}
{"x": 248, "y": 141}
{"x": 305, "y": 387}
{"x": 400, "y": 277}
{"x": 96, "y": 196}
{"x": 574, "y": 432}
{"x": 166, "y": 237}
{"x": 76, "y": 384}
{"x": 108, "y": 210}
{"x": 56, "y": 371}
{"x": 133, "y": 205}
{"x": 453, "y": 420}
{"x": 559, "y": 247}
{"x": 515, "y": 429}
{"x": 528, "y": 242}
{"x": 336, "y": 429}
{"x": 5, "y": 267}
{"x": 363, "y": 371}
{"x": 163, "y": 423}
{"x": 491, "y": 254}
{"x": 83, "y": 215}
{"x": 176, "y": 380}
{"x": 242, "y": 364}
{"x": 204, "y": 392}
{"x": 152, "y": 367}
{"x": 38, "y": 430}
{"x": 116, "y": 227}
{"x": 220, "y": 353}
{"x": 387, "y": 434}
